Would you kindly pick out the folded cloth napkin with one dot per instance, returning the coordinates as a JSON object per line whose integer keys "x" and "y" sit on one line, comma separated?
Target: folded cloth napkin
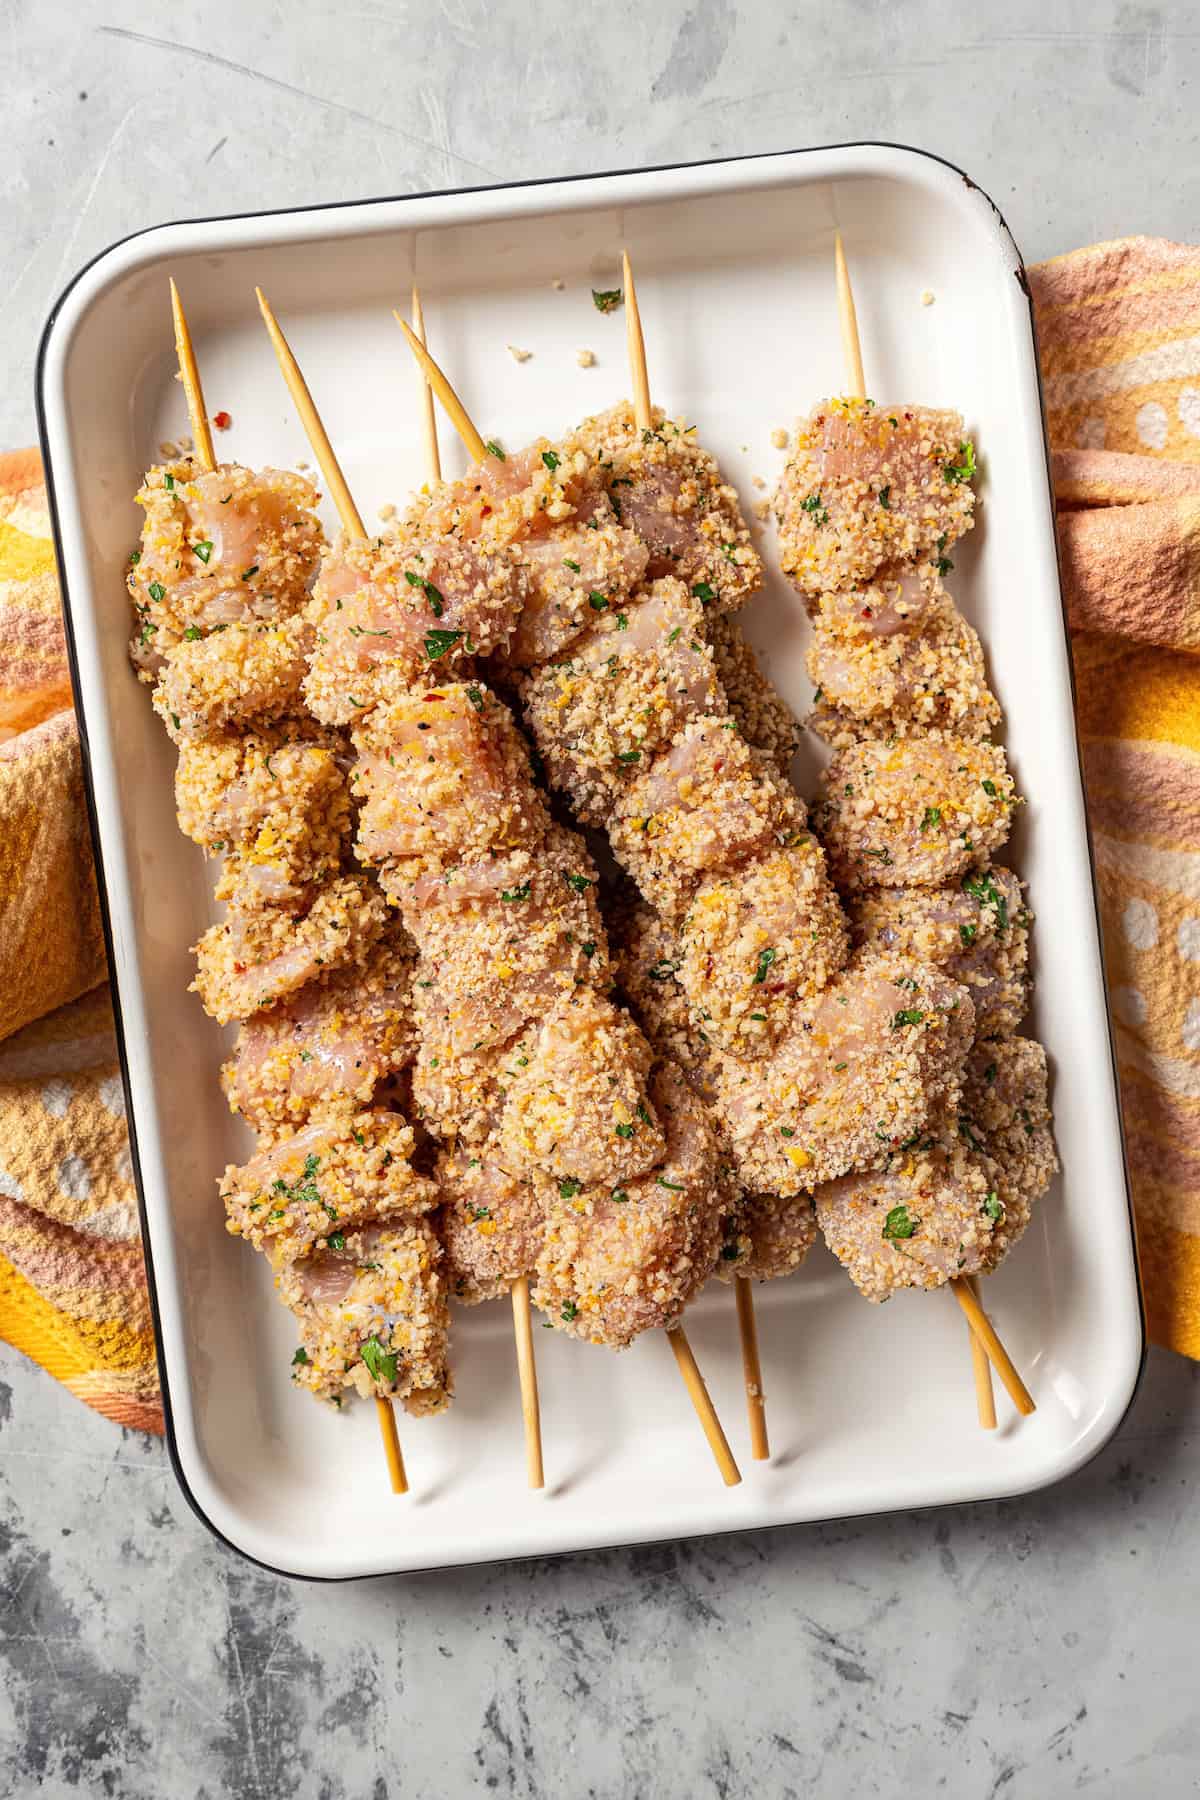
{"x": 72, "y": 1284}
{"x": 1120, "y": 352}
{"x": 1119, "y": 341}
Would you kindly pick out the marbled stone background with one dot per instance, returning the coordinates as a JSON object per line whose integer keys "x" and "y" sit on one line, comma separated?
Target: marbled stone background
{"x": 1025, "y": 1649}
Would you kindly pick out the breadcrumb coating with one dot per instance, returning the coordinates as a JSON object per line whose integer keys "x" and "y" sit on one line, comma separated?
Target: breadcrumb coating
{"x": 579, "y": 569}
{"x": 870, "y": 685}
{"x": 978, "y": 932}
{"x": 619, "y": 695}
{"x": 238, "y": 677}
{"x": 331, "y": 1045}
{"x": 706, "y": 806}
{"x": 669, "y": 489}
{"x": 927, "y": 1218}
{"x": 867, "y": 485}
{"x": 763, "y": 1236}
{"x": 897, "y": 600}
{"x": 230, "y": 545}
{"x": 491, "y": 1224}
{"x": 461, "y": 1093}
{"x": 1006, "y": 1100}
{"x": 306, "y": 1190}
{"x": 373, "y": 1316}
{"x": 918, "y": 812}
{"x": 581, "y": 1110}
{"x": 864, "y": 1067}
{"x": 647, "y": 960}
{"x": 621, "y": 1259}
{"x": 277, "y": 805}
{"x": 504, "y": 941}
{"x": 443, "y": 773}
{"x": 258, "y": 955}
{"x": 759, "y": 711}
{"x": 403, "y": 608}
{"x": 546, "y": 507}
{"x": 753, "y": 944}
{"x": 766, "y": 1237}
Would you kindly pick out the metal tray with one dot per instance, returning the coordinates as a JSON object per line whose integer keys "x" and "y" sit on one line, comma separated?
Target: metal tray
{"x": 870, "y": 1409}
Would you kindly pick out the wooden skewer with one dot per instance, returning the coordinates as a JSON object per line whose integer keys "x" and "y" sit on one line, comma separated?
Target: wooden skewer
{"x": 351, "y": 519}
{"x": 197, "y": 415}
{"x": 848, "y": 319}
{"x": 756, "y": 1406}
{"x": 433, "y": 455}
{"x": 985, "y": 1399}
{"x": 743, "y": 1290}
{"x": 693, "y": 1380}
{"x": 636, "y": 346}
{"x": 310, "y": 418}
{"x": 385, "y": 1412}
{"x": 455, "y": 410}
{"x": 985, "y": 1345}
{"x": 984, "y": 1330}
{"x": 531, "y": 1410}
{"x": 706, "y": 1412}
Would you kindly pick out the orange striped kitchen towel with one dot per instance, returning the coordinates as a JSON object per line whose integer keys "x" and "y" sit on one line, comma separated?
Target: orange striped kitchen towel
{"x": 1119, "y": 340}
{"x": 72, "y": 1284}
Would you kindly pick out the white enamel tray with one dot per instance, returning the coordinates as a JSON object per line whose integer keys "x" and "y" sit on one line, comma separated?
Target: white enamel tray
{"x": 870, "y": 1408}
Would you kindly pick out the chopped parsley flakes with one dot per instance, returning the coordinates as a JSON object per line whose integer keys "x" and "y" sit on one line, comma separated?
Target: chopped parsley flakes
{"x": 900, "y": 1223}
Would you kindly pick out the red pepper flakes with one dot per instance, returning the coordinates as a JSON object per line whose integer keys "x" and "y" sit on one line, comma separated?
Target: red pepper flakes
{"x": 222, "y": 421}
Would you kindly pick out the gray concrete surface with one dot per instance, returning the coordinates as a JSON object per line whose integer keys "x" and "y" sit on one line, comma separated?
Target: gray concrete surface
{"x": 1025, "y": 1649}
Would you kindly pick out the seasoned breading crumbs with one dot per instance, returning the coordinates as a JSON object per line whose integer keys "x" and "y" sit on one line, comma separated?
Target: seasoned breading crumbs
{"x": 626, "y": 1256}
{"x": 866, "y": 1064}
{"x": 670, "y": 490}
{"x": 491, "y": 1225}
{"x": 277, "y": 804}
{"x": 396, "y": 610}
{"x": 461, "y": 1092}
{"x": 259, "y": 955}
{"x": 329, "y": 1178}
{"x": 913, "y": 811}
{"x": 373, "y": 1316}
{"x": 443, "y": 773}
{"x": 241, "y": 676}
{"x": 762, "y": 1236}
{"x": 867, "y": 485}
{"x": 329, "y": 1047}
{"x": 766, "y": 1237}
{"x": 217, "y": 547}
{"x": 927, "y": 1218}
{"x": 753, "y": 944}
{"x": 760, "y": 712}
{"x": 495, "y": 957}
{"x": 581, "y": 1110}
{"x": 1006, "y": 1101}
{"x": 599, "y": 713}
{"x": 903, "y": 684}
{"x": 708, "y": 805}
{"x": 977, "y": 931}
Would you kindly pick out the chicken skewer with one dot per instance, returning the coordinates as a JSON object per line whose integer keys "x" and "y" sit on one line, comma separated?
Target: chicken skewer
{"x": 352, "y": 523}
{"x": 519, "y": 1291}
{"x": 783, "y": 1143}
{"x": 927, "y": 675}
{"x": 579, "y": 1030}
{"x": 981, "y": 1367}
{"x": 752, "y": 1366}
{"x": 202, "y": 439}
{"x": 756, "y": 1409}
